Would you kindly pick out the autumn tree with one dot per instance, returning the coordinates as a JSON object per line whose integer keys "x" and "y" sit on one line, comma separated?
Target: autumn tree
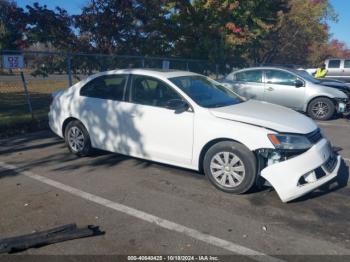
{"x": 220, "y": 31}
{"x": 124, "y": 27}
{"x": 50, "y": 27}
{"x": 333, "y": 49}
{"x": 297, "y": 33}
{"x": 241, "y": 32}
{"x": 12, "y": 26}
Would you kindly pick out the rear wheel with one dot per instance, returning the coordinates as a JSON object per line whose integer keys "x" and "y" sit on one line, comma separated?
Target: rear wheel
{"x": 77, "y": 138}
{"x": 230, "y": 166}
{"x": 321, "y": 108}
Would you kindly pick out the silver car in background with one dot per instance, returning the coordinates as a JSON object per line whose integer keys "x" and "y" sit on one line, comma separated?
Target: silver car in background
{"x": 291, "y": 88}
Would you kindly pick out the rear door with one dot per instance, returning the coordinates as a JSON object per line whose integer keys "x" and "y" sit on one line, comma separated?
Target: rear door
{"x": 280, "y": 88}
{"x": 249, "y": 84}
{"x": 102, "y": 110}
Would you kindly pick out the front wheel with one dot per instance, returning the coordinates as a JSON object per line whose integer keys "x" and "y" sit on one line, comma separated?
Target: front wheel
{"x": 230, "y": 167}
{"x": 77, "y": 138}
{"x": 321, "y": 109}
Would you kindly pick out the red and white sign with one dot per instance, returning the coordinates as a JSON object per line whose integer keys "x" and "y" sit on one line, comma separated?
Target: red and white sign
{"x": 13, "y": 61}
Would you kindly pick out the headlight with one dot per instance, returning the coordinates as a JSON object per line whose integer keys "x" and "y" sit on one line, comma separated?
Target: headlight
{"x": 289, "y": 142}
{"x": 342, "y": 100}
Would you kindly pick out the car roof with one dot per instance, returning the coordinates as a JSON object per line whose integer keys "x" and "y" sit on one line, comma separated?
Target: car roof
{"x": 165, "y": 73}
{"x": 265, "y": 68}
{"x": 337, "y": 58}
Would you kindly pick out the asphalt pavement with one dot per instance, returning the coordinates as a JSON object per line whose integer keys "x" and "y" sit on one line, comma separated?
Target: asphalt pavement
{"x": 149, "y": 208}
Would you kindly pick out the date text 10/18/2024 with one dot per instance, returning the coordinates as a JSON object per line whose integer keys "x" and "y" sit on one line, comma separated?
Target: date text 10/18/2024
{"x": 173, "y": 258}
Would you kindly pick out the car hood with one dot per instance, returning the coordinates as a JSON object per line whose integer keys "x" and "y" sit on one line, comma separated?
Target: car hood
{"x": 340, "y": 86}
{"x": 267, "y": 115}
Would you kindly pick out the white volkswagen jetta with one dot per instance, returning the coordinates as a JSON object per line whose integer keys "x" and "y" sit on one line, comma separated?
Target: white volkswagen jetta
{"x": 188, "y": 120}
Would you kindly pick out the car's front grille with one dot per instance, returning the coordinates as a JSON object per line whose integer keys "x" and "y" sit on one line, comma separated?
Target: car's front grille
{"x": 314, "y": 136}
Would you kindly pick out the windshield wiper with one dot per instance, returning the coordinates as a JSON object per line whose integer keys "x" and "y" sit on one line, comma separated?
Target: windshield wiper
{"x": 221, "y": 105}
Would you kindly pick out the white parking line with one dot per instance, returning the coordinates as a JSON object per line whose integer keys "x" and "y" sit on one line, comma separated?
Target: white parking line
{"x": 193, "y": 233}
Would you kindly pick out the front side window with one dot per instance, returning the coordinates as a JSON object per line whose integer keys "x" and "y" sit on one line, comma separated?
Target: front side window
{"x": 150, "y": 91}
{"x": 278, "y": 77}
{"x": 347, "y": 64}
{"x": 334, "y": 64}
{"x": 206, "y": 92}
{"x": 110, "y": 87}
{"x": 249, "y": 76}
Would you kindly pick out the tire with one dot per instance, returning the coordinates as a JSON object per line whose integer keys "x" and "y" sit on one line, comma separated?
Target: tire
{"x": 239, "y": 175}
{"x": 77, "y": 138}
{"x": 321, "y": 108}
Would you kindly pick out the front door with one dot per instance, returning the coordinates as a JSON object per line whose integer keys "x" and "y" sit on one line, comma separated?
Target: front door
{"x": 280, "y": 89}
{"x": 158, "y": 133}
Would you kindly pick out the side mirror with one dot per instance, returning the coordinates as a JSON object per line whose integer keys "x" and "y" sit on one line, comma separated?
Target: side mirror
{"x": 299, "y": 83}
{"x": 178, "y": 105}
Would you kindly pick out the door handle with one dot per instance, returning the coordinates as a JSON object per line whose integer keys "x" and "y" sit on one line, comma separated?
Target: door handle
{"x": 270, "y": 89}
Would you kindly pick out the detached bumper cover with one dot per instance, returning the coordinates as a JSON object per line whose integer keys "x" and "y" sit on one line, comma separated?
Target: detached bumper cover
{"x": 285, "y": 176}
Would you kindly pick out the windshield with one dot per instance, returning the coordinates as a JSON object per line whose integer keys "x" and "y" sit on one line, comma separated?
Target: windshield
{"x": 306, "y": 76}
{"x": 206, "y": 92}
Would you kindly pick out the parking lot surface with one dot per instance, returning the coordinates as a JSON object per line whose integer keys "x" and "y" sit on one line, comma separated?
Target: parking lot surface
{"x": 149, "y": 208}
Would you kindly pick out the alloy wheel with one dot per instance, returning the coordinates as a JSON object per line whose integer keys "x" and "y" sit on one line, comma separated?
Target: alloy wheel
{"x": 76, "y": 139}
{"x": 320, "y": 110}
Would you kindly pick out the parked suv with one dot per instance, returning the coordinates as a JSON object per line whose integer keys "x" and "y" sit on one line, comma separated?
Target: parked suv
{"x": 291, "y": 88}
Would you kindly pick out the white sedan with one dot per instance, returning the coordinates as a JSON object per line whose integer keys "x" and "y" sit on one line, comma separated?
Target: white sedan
{"x": 188, "y": 120}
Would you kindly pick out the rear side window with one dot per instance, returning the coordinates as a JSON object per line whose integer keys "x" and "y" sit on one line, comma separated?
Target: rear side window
{"x": 278, "y": 77}
{"x": 249, "y": 76}
{"x": 347, "y": 64}
{"x": 150, "y": 91}
{"x": 334, "y": 64}
{"x": 110, "y": 87}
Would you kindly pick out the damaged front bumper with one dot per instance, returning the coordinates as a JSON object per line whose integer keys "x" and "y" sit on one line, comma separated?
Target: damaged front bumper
{"x": 343, "y": 106}
{"x": 290, "y": 178}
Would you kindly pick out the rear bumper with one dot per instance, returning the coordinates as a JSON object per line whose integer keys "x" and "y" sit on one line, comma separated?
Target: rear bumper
{"x": 285, "y": 176}
{"x": 54, "y": 126}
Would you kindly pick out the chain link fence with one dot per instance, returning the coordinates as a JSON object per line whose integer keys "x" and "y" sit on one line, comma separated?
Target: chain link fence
{"x": 46, "y": 72}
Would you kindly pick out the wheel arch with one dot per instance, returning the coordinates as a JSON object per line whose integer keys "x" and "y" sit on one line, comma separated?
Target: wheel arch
{"x": 206, "y": 147}
{"x": 316, "y": 97}
{"x": 66, "y": 122}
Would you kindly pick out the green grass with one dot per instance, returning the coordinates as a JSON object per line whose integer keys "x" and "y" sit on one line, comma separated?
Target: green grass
{"x": 14, "y": 110}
